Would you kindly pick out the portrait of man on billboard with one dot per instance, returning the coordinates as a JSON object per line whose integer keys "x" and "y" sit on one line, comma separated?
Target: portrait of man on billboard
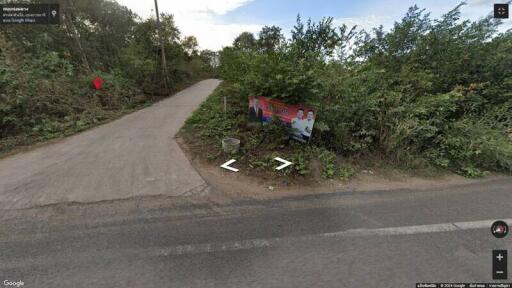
{"x": 303, "y": 127}
{"x": 298, "y": 118}
{"x": 308, "y": 125}
{"x": 255, "y": 111}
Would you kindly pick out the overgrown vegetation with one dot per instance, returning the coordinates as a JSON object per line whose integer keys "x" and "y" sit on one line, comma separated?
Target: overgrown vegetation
{"x": 427, "y": 93}
{"x": 46, "y": 71}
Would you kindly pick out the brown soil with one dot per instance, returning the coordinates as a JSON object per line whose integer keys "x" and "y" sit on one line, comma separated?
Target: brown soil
{"x": 242, "y": 185}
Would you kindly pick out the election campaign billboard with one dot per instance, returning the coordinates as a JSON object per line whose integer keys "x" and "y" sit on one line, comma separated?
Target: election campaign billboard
{"x": 298, "y": 118}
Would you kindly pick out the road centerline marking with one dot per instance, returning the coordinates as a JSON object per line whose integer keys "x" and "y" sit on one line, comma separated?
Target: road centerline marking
{"x": 247, "y": 244}
{"x": 267, "y": 243}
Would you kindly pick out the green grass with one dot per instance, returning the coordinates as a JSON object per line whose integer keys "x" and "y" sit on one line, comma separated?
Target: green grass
{"x": 48, "y": 129}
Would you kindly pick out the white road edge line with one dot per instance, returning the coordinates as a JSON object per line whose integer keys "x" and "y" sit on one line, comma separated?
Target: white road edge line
{"x": 265, "y": 243}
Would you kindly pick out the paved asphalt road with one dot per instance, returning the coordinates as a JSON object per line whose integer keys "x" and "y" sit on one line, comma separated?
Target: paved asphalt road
{"x": 132, "y": 156}
{"x": 365, "y": 239}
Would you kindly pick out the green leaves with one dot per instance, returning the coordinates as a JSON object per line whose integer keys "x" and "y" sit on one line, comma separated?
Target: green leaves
{"x": 316, "y": 40}
{"x": 425, "y": 88}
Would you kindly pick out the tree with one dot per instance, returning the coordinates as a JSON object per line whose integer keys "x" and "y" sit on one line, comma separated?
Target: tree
{"x": 270, "y": 38}
{"x": 315, "y": 40}
{"x": 170, "y": 31}
{"x": 432, "y": 89}
{"x": 209, "y": 57}
{"x": 245, "y": 42}
{"x": 44, "y": 86}
{"x": 190, "y": 45}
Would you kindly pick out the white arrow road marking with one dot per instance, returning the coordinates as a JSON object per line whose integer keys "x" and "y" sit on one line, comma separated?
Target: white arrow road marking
{"x": 286, "y": 163}
{"x": 226, "y": 165}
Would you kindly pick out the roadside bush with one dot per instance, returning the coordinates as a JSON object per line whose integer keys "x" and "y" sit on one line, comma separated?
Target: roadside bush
{"x": 427, "y": 92}
{"x": 470, "y": 146}
{"x": 282, "y": 76}
{"x": 46, "y": 70}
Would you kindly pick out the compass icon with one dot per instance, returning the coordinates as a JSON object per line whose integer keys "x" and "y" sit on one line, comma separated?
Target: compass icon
{"x": 499, "y": 229}
{"x": 501, "y": 11}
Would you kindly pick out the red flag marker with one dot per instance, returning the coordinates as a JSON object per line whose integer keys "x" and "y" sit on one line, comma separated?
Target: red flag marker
{"x": 97, "y": 83}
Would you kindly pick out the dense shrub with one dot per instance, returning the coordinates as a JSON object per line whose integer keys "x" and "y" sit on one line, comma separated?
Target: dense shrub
{"x": 46, "y": 71}
{"x": 440, "y": 89}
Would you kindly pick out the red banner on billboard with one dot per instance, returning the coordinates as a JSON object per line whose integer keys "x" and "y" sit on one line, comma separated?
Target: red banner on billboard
{"x": 298, "y": 118}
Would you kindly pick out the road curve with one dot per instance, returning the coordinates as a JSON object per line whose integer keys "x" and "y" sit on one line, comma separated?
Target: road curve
{"x": 135, "y": 155}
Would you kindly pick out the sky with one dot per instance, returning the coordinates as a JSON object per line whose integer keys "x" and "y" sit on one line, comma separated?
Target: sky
{"x": 216, "y": 23}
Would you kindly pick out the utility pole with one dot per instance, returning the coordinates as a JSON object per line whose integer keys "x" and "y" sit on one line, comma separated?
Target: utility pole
{"x": 162, "y": 48}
